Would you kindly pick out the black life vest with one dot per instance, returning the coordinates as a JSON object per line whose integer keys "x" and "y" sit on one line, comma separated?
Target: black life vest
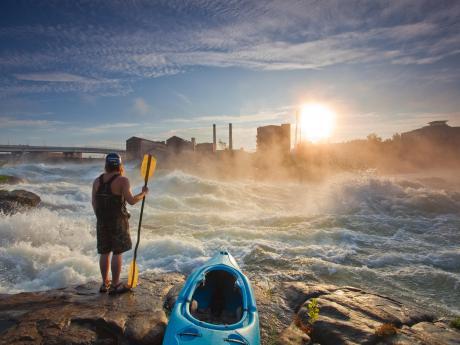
{"x": 109, "y": 207}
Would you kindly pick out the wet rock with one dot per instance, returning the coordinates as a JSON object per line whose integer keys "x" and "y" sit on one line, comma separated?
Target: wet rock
{"x": 16, "y": 200}
{"x": 147, "y": 328}
{"x": 275, "y": 314}
{"x": 347, "y": 315}
{"x": 7, "y": 179}
{"x": 81, "y": 315}
{"x": 171, "y": 297}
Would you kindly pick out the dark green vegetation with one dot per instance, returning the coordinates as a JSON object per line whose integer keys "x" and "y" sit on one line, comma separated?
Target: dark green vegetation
{"x": 455, "y": 322}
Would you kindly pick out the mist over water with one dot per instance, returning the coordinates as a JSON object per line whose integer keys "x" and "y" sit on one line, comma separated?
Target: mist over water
{"x": 395, "y": 235}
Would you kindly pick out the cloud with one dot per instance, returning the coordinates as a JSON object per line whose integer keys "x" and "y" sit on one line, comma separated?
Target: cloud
{"x": 183, "y": 98}
{"x": 249, "y": 118}
{"x": 55, "y": 77}
{"x": 8, "y": 122}
{"x": 170, "y": 37}
{"x": 109, "y": 127}
{"x": 61, "y": 82}
{"x": 140, "y": 106}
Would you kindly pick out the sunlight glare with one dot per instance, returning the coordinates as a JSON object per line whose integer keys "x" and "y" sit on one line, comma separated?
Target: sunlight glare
{"x": 317, "y": 122}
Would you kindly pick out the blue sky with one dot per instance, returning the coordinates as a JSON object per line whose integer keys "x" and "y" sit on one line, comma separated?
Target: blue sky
{"x": 98, "y": 72}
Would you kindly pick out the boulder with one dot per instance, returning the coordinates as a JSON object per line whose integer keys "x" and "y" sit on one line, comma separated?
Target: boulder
{"x": 82, "y": 315}
{"x": 7, "y": 179}
{"x": 16, "y": 200}
{"x": 352, "y": 316}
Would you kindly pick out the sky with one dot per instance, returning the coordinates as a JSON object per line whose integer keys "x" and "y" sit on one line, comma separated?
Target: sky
{"x": 94, "y": 73}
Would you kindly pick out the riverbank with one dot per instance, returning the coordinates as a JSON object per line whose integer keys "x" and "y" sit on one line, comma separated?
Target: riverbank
{"x": 347, "y": 315}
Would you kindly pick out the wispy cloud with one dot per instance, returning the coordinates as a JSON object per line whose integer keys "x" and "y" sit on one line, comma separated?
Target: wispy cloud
{"x": 186, "y": 100}
{"x": 55, "y": 77}
{"x": 222, "y": 118}
{"x": 9, "y": 122}
{"x": 141, "y": 107}
{"x": 272, "y": 35}
{"x": 108, "y": 127}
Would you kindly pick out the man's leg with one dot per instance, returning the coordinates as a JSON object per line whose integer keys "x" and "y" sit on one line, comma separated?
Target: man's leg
{"x": 104, "y": 266}
{"x": 116, "y": 268}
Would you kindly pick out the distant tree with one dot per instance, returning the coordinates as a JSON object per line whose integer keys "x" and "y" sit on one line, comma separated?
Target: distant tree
{"x": 396, "y": 137}
{"x": 374, "y": 138}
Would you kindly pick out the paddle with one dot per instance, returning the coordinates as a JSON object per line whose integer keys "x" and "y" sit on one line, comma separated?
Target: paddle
{"x": 147, "y": 169}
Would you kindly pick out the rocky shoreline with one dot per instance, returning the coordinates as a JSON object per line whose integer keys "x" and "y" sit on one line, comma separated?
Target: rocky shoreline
{"x": 347, "y": 315}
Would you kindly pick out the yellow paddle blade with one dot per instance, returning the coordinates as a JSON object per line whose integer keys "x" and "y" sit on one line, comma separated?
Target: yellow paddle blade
{"x": 133, "y": 274}
{"x": 145, "y": 163}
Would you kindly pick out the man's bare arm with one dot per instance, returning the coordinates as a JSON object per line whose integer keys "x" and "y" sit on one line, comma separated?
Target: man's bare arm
{"x": 128, "y": 195}
{"x": 93, "y": 195}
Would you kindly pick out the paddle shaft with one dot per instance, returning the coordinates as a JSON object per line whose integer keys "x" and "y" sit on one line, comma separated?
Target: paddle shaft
{"x": 140, "y": 217}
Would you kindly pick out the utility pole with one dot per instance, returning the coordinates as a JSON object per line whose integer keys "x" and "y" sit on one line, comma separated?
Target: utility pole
{"x": 296, "y": 127}
{"x": 214, "y": 139}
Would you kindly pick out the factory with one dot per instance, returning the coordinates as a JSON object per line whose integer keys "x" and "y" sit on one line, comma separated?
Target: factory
{"x": 436, "y": 133}
{"x": 136, "y": 147}
{"x": 274, "y": 138}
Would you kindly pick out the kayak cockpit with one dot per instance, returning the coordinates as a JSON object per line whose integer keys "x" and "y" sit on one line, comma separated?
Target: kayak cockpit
{"x": 218, "y": 299}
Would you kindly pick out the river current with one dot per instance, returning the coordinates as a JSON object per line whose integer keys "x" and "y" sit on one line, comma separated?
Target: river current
{"x": 395, "y": 235}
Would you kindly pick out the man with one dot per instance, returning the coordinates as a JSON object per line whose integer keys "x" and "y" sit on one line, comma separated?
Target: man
{"x": 111, "y": 192}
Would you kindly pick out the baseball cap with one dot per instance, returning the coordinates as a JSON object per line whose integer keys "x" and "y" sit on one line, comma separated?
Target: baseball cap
{"x": 113, "y": 159}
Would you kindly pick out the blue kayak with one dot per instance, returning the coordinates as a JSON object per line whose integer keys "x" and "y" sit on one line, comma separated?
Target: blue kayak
{"x": 216, "y": 306}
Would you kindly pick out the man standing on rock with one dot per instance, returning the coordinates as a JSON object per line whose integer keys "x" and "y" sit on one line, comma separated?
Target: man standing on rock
{"x": 111, "y": 192}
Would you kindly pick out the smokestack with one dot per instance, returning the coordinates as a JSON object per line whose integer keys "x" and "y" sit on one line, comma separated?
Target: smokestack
{"x": 214, "y": 141}
{"x": 230, "y": 137}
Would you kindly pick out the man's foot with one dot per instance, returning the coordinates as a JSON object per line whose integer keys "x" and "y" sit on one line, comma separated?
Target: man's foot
{"x": 119, "y": 289}
{"x": 104, "y": 287}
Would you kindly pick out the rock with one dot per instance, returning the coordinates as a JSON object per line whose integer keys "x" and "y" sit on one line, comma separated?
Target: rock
{"x": 146, "y": 328}
{"x": 437, "y": 333}
{"x": 348, "y": 315}
{"x": 293, "y": 336}
{"x": 81, "y": 315}
{"x": 298, "y": 292}
{"x": 171, "y": 297}
{"x": 352, "y": 316}
{"x": 275, "y": 314}
{"x": 7, "y": 179}
{"x": 13, "y": 201}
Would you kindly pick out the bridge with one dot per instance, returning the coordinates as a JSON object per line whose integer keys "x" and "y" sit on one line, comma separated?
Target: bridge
{"x": 68, "y": 151}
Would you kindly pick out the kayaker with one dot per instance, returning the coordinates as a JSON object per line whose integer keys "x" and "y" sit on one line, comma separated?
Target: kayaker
{"x": 111, "y": 192}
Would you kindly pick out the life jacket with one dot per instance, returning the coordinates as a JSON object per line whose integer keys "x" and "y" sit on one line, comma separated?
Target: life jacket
{"x": 109, "y": 207}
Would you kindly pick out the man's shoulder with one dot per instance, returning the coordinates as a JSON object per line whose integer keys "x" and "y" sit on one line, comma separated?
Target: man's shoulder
{"x": 123, "y": 179}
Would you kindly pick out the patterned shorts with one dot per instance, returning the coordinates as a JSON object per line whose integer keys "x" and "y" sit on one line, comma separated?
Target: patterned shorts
{"x": 113, "y": 236}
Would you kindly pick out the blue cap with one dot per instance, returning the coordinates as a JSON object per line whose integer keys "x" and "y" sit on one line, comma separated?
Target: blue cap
{"x": 113, "y": 160}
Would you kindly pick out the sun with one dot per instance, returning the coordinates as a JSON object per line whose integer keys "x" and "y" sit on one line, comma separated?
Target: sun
{"x": 317, "y": 122}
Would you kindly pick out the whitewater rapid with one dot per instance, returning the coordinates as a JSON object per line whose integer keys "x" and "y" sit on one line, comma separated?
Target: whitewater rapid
{"x": 393, "y": 235}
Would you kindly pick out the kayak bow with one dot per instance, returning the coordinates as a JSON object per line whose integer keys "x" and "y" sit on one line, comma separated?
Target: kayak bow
{"x": 215, "y": 306}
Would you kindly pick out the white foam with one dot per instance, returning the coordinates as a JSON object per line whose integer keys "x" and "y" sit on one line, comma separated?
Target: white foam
{"x": 361, "y": 230}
